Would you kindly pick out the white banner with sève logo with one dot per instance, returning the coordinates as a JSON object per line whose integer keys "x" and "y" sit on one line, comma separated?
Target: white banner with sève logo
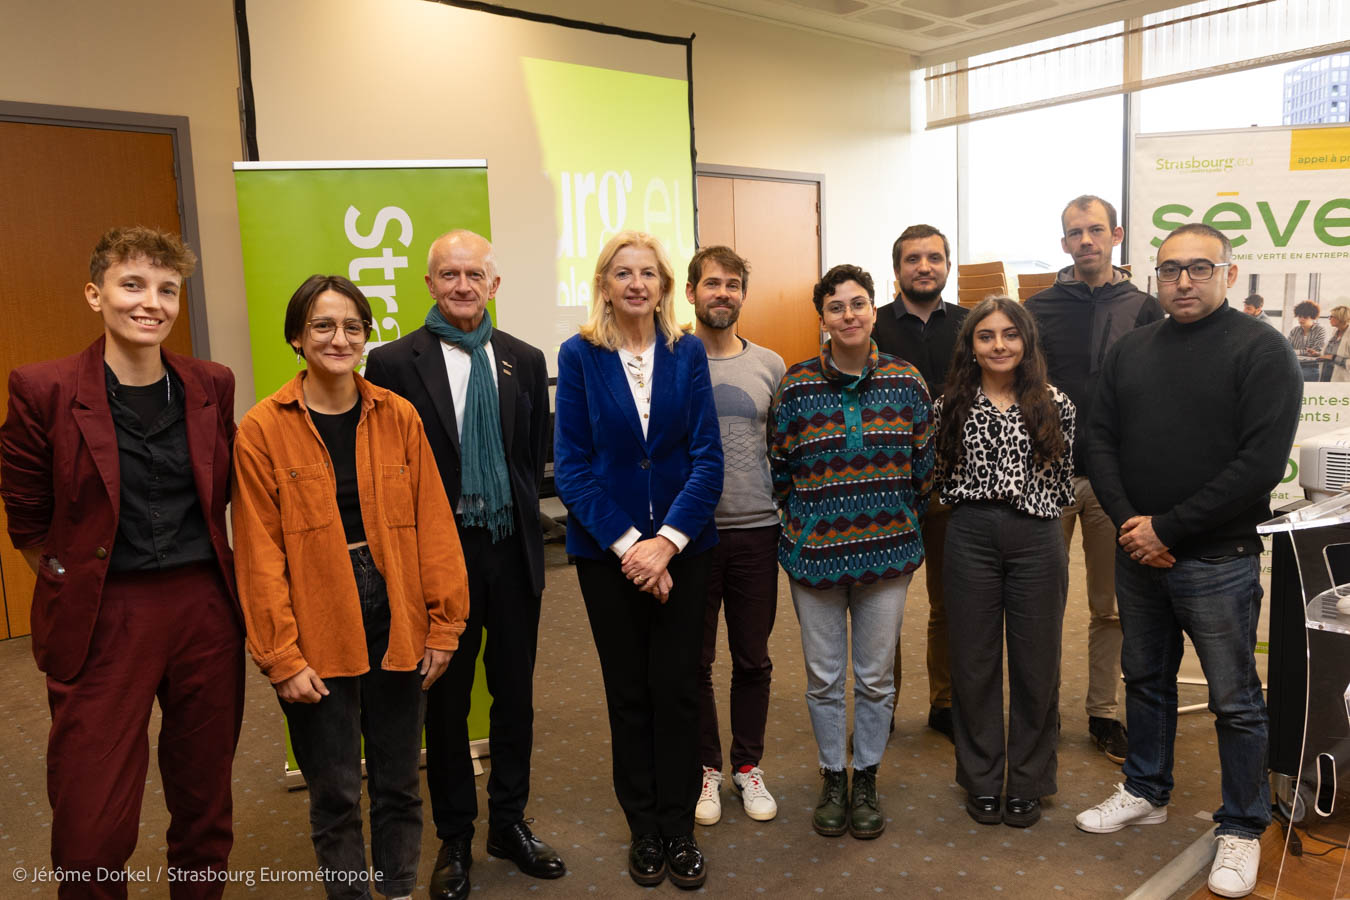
{"x": 1282, "y": 197}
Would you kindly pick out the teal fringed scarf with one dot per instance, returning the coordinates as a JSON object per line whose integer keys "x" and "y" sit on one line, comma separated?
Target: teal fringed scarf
{"x": 485, "y": 486}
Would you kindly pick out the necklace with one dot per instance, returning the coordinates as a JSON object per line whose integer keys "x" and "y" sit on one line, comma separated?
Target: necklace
{"x": 638, "y": 372}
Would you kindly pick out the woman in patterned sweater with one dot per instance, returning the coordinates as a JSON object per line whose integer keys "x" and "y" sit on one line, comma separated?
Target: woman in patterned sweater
{"x": 1005, "y": 461}
{"x": 852, "y": 467}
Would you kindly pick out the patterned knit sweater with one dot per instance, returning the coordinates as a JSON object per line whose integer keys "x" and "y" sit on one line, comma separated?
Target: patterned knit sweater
{"x": 852, "y": 465}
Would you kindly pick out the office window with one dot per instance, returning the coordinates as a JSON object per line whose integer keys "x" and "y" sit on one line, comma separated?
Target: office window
{"x": 1023, "y": 169}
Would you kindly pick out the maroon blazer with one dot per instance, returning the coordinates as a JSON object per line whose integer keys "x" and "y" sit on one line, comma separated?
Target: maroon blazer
{"x": 61, "y": 487}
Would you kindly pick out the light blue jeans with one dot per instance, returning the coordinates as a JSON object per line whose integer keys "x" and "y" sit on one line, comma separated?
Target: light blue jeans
{"x": 876, "y": 610}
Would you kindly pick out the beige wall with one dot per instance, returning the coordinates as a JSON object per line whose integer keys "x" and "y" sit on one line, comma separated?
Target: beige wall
{"x": 151, "y": 56}
{"x": 765, "y": 96}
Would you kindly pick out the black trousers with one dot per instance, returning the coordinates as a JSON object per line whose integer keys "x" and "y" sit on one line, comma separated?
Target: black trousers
{"x": 500, "y": 601}
{"x": 744, "y": 571}
{"x": 1005, "y": 574}
{"x": 649, "y": 656}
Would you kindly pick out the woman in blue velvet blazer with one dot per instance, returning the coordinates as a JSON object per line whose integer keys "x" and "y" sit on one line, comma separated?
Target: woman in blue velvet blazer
{"x": 638, "y": 462}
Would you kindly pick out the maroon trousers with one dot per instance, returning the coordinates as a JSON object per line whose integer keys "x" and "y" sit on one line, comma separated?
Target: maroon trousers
{"x": 167, "y": 635}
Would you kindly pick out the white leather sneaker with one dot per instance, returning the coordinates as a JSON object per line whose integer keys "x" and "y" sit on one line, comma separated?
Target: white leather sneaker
{"x": 709, "y": 808}
{"x": 1236, "y": 861}
{"x": 1118, "y": 811}
{"x": 759, "y": 802}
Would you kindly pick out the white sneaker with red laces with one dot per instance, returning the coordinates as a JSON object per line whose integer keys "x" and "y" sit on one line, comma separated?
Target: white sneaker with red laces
{"x": 759, "y": 802}
{"x": 709, "y": 808}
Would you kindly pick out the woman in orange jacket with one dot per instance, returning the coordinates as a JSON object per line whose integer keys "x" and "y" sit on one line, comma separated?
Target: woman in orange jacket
{"x": 352, "y": 584}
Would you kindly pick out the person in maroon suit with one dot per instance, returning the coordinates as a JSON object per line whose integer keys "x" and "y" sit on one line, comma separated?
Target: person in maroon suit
{"x": 114, "y": 468}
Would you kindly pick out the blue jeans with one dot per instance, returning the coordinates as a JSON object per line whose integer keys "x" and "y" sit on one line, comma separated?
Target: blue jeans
{"x": 877, "y": 610}
{"x": 1217, "y": 604}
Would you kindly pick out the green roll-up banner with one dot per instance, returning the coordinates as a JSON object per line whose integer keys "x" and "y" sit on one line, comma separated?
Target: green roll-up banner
{"x": 369, "y": 221}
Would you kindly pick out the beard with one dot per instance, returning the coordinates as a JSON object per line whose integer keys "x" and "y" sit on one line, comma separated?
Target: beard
{"x": 922, "y": 297}
{"x": 718, "y": 317}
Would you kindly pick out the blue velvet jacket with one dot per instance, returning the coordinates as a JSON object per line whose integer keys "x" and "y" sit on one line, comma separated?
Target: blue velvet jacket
{"x": 608, "y": 475}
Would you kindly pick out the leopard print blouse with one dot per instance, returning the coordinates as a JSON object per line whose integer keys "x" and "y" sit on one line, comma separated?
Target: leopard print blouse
{"x": 998, "y": 465}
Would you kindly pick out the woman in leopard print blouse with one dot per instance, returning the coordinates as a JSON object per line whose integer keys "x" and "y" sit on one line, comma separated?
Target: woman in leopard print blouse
{"x": 1005, "y": 441}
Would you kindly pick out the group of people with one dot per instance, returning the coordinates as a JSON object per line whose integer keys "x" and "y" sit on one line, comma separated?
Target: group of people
{"x": 693, "y": 464}
{"x": 1321, "y": 356}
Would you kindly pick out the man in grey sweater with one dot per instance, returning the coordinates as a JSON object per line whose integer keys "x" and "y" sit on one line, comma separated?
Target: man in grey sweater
{"x": 745, "y": 561}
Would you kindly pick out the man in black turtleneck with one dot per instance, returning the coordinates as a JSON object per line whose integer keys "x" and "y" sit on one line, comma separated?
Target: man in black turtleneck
{"x": 1190, "y": 432}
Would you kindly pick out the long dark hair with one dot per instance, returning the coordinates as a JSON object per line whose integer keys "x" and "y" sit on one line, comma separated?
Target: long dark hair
{"x": 1033, "y": 396}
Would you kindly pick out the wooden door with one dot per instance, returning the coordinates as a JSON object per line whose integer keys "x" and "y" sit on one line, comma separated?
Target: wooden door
{"x": 775, "y": 225}
{"x": 63, "y": 186}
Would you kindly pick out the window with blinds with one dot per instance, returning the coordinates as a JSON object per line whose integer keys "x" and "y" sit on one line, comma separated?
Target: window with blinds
{"x": 1193, "y": 41}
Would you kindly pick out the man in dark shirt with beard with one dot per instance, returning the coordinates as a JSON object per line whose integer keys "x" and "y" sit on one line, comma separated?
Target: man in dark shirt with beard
{"x": 921, "y": 329}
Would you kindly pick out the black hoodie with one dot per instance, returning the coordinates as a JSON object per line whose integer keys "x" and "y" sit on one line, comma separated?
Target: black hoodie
{"x": 1077, "y": 325}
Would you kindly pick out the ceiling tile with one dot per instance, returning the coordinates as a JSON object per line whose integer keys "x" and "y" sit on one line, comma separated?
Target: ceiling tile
{"x": 892, "y": 18}
{"x": 1012, "y": 12}
{"x": 951, "y": 9}
{"x": 945, "y": 31}
{"x": 838, "y": 7}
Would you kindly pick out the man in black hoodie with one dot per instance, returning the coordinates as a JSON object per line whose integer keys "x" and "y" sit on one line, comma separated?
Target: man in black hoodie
{"x": 1089, "y": 307}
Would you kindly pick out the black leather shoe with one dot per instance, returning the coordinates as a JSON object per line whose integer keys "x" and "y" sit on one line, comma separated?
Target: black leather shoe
{"x": 647, "y": 860}
{"x": 684, "y": 862}
{"x": 984, "y": 809}
{"x": 940, "y": 720}
{"x": 450, "y": 877}
{"x": 531, "y": 855}
{"x": 1022, "y": 813}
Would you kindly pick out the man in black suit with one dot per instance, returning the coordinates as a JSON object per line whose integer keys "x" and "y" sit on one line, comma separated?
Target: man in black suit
{"x": 483, "y": 397}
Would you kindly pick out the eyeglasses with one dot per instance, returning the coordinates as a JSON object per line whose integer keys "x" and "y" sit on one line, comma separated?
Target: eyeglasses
{"x": 859, "y": 306}
{"x": 322, "y": 330}
{"x": 1200, "y": 270}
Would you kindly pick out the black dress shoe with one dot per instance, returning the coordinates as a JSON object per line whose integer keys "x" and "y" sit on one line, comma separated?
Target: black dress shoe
{"x": 450, "y": 877}
{"x": 684, "y": 861}
{"x": 647, "y": 860}
{"x": 531, "y": 855}
{"x": 1022, "y": 813}
{"x": 984, "y": 809}
{"x": 940, "y": 720}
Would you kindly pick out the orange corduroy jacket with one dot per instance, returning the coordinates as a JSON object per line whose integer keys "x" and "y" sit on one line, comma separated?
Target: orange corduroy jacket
{"x": 295, "y": 577}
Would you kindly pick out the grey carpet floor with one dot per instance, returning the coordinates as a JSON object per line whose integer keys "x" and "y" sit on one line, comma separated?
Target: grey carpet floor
{"x": 930, "y": 848}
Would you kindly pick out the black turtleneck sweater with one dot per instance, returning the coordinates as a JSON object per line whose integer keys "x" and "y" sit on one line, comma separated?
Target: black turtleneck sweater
{"x": 1192, "y": 425}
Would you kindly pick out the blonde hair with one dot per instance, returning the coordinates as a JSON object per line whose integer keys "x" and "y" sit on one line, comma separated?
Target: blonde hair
{"x": 600, "y": 328}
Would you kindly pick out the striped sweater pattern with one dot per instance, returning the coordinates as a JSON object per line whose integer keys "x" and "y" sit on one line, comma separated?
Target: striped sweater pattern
{"x": 852, "y": 464}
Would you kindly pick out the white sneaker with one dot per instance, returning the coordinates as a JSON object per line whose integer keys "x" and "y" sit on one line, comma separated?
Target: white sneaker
{"x": 1119, "y": 810}
{"x": 1235, "y": 863}
{"x": 759, "y": 803}
{"x": 709, "y": 809}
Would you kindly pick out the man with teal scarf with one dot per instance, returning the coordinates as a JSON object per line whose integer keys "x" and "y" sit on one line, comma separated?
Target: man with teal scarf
{"x": 483, "y": 398}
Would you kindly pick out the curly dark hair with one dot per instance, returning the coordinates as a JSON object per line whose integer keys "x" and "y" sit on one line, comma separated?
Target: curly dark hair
{"x": 1029, "y": 382}
{"x": 1307, "y": 310}
{"x": 837, "y": 276}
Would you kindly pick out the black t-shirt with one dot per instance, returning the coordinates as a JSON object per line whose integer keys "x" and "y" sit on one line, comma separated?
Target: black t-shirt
{"x": 339, "y": 436}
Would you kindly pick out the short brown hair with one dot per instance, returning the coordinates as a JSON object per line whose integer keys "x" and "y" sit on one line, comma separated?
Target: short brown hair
{"x": 918, "y": 233}
{"x": 302, "y": 301}
{"x": 1084, "y": 203}
{"x": 726, "y": 258}
{"x": 162, "y": 248}
{"x": 840, "y": 274}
